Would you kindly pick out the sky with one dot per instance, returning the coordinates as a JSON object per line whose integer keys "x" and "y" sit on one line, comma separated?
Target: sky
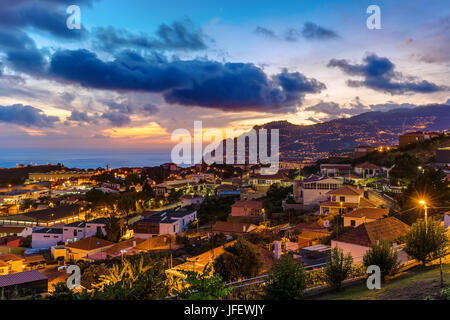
{"x": 136, "y": 71}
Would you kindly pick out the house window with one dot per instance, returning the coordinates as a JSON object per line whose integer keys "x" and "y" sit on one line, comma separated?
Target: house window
{"x": 352, "y": 223}
{"x": 74, "y": 232}
{"x": 342, "y": 199}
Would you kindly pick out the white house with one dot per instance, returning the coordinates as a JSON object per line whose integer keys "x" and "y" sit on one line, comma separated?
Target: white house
{"x": 80, "y": 229}
{"x": 45, "y": 238}
{"x": 165, "y": 222}
{"x": 358, "y": 240}
{"x": 314, "y": 190}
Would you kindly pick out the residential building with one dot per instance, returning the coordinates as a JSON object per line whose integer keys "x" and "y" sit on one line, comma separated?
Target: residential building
{"x": 228, "y": 190}
{"x": 20, "y": 231}
{"x": 82, "y": 249}
{"x": 335, "y": 170}
{"x": 46, "y": 217}
{"x": 81, "y": 229}
{"x": 362, "y": 215}
{"x": 247, "y": 208}
{"x": 264, "y": 181}
{"x": 313, "y": 190}
{"x": 368, "y": 170}
{"x": 59, "y": 175}
{"x": 417, "y": 136}
{"x": 45, "y": 238}
{"x": 345, "y": 199}
{"x": 15, "y": 263}
{"x": 166, "y": 222}
{"x": 23, "y": 283}
{"x": 358, "y": 240}
{"x": 122, "y": 248}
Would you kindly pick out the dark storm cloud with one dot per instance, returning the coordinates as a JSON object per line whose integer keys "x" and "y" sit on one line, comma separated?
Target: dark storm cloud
{"x": 180, "y": 35}
{"x": 313, "y": 31}
{"x": 46, "y": 16}
{"x": 26, "y": 116}
{"x": 81, "y": 116}
{"x": 239, "y": 86}
{"x": 20, "y": 51}
{"x": 117, "y": 119}
{"x": 379, "y": 74}
{"x": 226, "y": 86}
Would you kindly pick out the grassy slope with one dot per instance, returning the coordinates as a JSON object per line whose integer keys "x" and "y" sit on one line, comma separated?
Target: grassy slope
{"x": 416, "y": 285}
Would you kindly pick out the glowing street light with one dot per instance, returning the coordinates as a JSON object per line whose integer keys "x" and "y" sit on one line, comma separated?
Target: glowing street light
{"x": 424, "y": 203}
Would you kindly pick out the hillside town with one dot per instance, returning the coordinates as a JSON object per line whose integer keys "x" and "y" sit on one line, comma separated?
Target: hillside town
{"x": 230, "y": 225}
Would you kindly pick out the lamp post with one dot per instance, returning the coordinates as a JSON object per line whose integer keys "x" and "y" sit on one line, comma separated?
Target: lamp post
{"x": 423, "y": 202}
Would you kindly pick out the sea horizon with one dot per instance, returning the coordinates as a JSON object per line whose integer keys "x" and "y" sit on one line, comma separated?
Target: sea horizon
{"x": 84, "y": 158}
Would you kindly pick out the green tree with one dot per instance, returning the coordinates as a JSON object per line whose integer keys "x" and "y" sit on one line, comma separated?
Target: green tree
{"x": 113, "y": 229}
{"x": 338, "y": 267}
{"x": 203, "y": 286}
{"x": 383, "y": 255}
{"x": 425, "y": 240}
{"x": 286, "y": 280}
{"x": 238, "y": 261}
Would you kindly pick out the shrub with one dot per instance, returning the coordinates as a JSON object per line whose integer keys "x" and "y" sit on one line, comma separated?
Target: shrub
{"x": 238, "y": 261}
{"x": 286, "y": 280}
{"x": 383, "y": 256}
{"x": 203, "y": 286}
{"x": 338, "y": 267}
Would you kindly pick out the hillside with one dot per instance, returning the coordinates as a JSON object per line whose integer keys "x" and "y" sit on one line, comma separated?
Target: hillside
{"x": 299, "y": 142}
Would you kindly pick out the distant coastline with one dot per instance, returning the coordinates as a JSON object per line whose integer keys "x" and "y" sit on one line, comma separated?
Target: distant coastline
{"x": 83, "y": 159}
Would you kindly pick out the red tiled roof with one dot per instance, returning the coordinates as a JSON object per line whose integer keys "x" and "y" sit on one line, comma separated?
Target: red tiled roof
{"x": 90, "y": 243}
{"x": 338, "y": 166}
{"x": 388, "y": 229}
{"x": 21, "y": 277}
{"x": 347, "y": 190}
{"x": 10, "y": 257}
{"x": 366, "y": 203}
{"x": 369, "y": 213}
{"x": 277, "y": 176}
{"x": 248, "y": 204}
{"x": 368, "y": 165}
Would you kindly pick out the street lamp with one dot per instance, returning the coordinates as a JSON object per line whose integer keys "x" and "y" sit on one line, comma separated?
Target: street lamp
{"x": 424, "y": 203}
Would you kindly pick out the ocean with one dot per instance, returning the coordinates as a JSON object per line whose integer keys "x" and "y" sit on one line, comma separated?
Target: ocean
{"x": 83, "y": 159}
